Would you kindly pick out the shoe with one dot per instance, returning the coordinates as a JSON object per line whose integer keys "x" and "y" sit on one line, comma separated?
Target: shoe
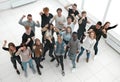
{"x": 73, "y": 69}
{"x": 41, "y": 66}
{"x": 57, "y": 65}
{"x": 87, "y": 60}
{"x": 18, "y": 72}
{"x": 39, "y": 73}
{"x": 52, "y": 59}
{"x": 63, "y": 73}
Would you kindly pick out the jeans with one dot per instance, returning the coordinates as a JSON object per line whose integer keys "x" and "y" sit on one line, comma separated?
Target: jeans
{"x": 60, "y": 60}
{"x": 14, "y": 59}
{"x": 82, "y": 50}
{"x": 30, "y": 64}
{"x": 96, "y": 47}
{"x": 72, "y": 58}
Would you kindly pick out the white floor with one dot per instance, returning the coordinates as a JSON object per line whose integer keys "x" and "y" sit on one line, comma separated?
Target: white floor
{"x": 106, "y": 67}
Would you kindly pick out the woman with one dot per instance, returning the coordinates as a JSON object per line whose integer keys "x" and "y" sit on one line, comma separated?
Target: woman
{"x": 12, "y": 49}
{"x": 87, "y": 44}
{"x": 38, "y": 50}
{"x": 25, "y": 53}
{"x": 59, "y": 52}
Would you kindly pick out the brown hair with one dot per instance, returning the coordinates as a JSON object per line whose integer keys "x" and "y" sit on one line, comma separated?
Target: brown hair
{"x": 68, "y": 27}
{"x": 84, "y": 12}
{"x": 105, "y": 24}
{"x": 36, "y": 40}
{"x": 94, "y": 34}
{"x": 59, "y": 9}
{"x": 46, "y": 9}
{"x": 11, "y": 44}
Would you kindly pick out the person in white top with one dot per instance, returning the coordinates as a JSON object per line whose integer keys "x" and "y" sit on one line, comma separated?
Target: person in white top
{"x": 87, "y": 44}
{"x": 59, "y": 19}
{"x": 70, "y": 23}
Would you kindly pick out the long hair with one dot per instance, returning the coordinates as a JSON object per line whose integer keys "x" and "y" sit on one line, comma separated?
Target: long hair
{"x": 13, "y": 45}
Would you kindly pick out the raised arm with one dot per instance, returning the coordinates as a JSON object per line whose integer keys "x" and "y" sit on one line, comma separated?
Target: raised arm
{"x": 66, "y": 7}
{"x": 21, "y": 20}
{"x": 3, "y": 47}
{"x": 112, "y": 27}
{"x": 37, "y": 23}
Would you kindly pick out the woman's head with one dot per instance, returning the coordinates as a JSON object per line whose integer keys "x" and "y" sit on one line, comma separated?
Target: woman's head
{"x": 106, "y": 25}
{"x": 46, "y": 10}
{"x": 92, "y": 35}
{"x": 50, "y": 26}
{"x": 69, "y": 19}
{"x": 68, "y": 29}
{"x": 11, "y": 46}
{"x": 23, "y": 46}
{"x": 37, "y": 41}
{"x": 59, "y": 38}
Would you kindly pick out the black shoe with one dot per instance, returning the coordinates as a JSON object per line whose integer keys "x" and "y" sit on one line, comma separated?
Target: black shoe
{"x": 18, "y": 72}
{"x": 63, "y": 73}
{"x": 87, "y": 60}
{"x": 41, "y": 66}
{"x": 52, "y": 59}
{"x": 39, "y": 73}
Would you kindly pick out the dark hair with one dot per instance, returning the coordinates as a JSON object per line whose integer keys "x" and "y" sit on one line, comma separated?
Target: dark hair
{"x": 49, "y": 26}
{"x": 75, "y": 4}
{"x": 84, "y": 12}
{"x": 59, "y": 9}
{"x": 74, "y": 33}
{"x": 69, "y": 17}
{"x": 23, "y": 44}
{"x": 29, "y": 15}
{"x": 11, "y": 44}
{"x": 36, "y": 40}
{"x": 99, "y": 23}
{"x": 106, "y": 23}
{"x": 45, "y": 9}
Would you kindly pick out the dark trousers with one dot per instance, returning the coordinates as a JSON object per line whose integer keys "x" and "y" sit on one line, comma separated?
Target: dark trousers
{"x": 14, "y": 59}
{"x": 96, "y": 47}
{"x": 66, "y": 42}
{"x": 43, "y": 33}
{"x": 46, "y": 48}
{"x": 37, "y": 61}
{"x": 60, "y": 61}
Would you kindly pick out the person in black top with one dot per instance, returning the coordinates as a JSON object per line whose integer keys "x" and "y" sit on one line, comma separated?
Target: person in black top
{"x": 45, "y": 19}
{"x": 28, "y": 37}
{"x": 107, "y": 27}
{"x": 99, "y": 32}
{"x": 12, "y": 49}
{"x": 72, "y": 11}
{"x": 82, "y": 21}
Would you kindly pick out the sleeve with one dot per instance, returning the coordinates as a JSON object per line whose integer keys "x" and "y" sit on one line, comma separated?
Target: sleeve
{"x": 21, "y": 22}
{"x": 24, "y": 39}
{"x": 37, "y": 24}
{"x": 112, "y": 27}
{"x": 6, "y": 49}
{"x": 77, "y": 12}
{"x": 18, "y": 52}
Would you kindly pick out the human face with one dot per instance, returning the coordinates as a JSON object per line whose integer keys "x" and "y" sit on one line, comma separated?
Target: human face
{"x": 98, "y": 26}
{"x": 38, "y": 42}
{"x": 92, "y": 35}
{"x": 74, "y": 37}
{"x": 107, "y": 25}
{"x": 68, "y": 30}
{"x": 74, "y": 7}
{"x": 29, "y": 18}
{"x": 84, "y": 15}
{"x": 59, "y": 12}
{"x": 12, "y": 48}
{"x": 69, "y": 20}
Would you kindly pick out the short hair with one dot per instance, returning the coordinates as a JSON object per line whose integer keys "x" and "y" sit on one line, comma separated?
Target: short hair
{"x": 75, "y": 4}
{"x": 69, "y": 17}
{"x": 29, "y": 15}
{"x": 74, "y": 33}
{"x": 45, "y": 9}
{"x": 99, "y": 23}
{"x": 11, "y": 44}
{"x": 23, "y": 44}
{"x": 59, "y": 9}
{"x": 84, "y": 12}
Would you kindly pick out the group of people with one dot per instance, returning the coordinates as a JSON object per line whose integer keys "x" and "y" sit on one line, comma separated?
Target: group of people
{"x": 69, "y": 43}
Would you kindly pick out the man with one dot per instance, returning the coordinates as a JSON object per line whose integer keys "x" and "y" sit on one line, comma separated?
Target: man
{"x": 97, "y": 29}
{"x": 59, "y": 19}
{"x": 72, "y": 11}
{"x": 29, "y": 22}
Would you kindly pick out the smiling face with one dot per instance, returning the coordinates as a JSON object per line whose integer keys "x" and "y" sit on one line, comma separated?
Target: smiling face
{"x": 107, "y": 25}
{"x": 92, "y": 35}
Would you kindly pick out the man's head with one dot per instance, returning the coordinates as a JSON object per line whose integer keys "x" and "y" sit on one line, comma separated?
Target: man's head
{"x": 74, "y": 6}
{"x": 29, "y": 17}
{"x": 46, "y": 10}
{"x": 98, "y": 25}
{"x": 74, "y": 36}
{"x": 69, "y": 19}
{"x": 59, "y": 11}
{"x": 84, "y": 13}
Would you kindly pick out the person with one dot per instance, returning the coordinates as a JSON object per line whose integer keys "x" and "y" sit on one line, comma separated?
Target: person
{"x": 38, "y": 50}
{"x": 59, "y": 19}
{"x": 70, "y": 23}
{"x": 87, "y": 44}
{"x": 49, "y": 40}
{"x": 29, "y": 22}
{"x": 59, "y": 52}
{"x": 66, "y": 38}
{"x": 107, "y": 26}
{"x": 72, "y": 11}
{"x": 12, "y": 49}
{"x": 97, "y": 29}
{"x": 28, "y": 37}
{"x": 25, "y": 53}
{"x": 74, "y": 45}
{"x": 82, "y": 21}
{"x": 45, "y": 19}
